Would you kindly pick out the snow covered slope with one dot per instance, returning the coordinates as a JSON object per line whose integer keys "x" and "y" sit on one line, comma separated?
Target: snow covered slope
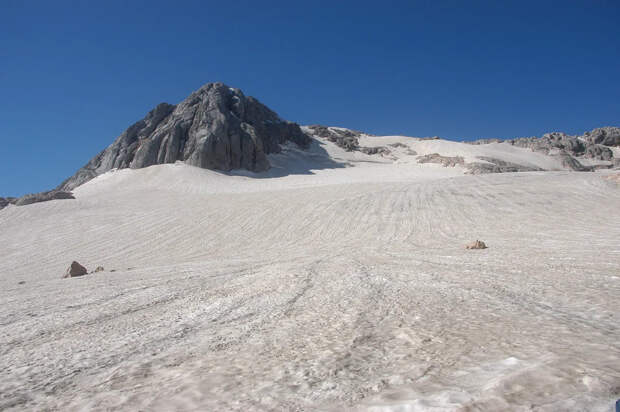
{"x": 336, "y": 280}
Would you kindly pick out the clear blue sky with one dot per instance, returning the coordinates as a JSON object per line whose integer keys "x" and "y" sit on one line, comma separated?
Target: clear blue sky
{"x": 74, "y": 75}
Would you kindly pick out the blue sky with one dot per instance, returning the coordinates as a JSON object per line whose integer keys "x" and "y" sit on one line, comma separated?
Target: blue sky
{"x": 74, "y": 75}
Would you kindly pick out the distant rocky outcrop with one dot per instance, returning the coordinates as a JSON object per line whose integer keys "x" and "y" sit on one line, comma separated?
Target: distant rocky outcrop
{"x": 485, "y": 141}
{"x": 490, "y": 164}
{"x": 382, "y": 150}
{"x": 5, "y": 201}
{"x": 592, "y": 145}
{"x": 407, "y": 149}
{"x": 445, "y": 161}
{"x": 570, "y": 163}
{"x": 493, "y": 165}
{"x": 43, "y": 197}
{"x": 398, "y": 145}
{"x": 216, "y": 127}
{"x": 608, "y": 136}
{"x": 598, "y": 151}
{"x": 346, "y": 139}
{"x": 35, "y": 198}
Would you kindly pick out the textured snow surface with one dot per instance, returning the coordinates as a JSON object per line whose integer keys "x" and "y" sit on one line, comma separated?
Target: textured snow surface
{"x": 322, "y": 287}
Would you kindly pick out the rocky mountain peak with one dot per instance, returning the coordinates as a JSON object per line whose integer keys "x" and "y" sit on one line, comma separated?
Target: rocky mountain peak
{"x": 215, "y": 127}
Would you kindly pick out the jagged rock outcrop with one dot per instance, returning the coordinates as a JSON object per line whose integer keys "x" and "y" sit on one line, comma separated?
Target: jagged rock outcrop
{"x": 5, "y": 201}
{"x": 497, "y": 166}
{"x": 35, "y": 198}
{"x": 592, "y": 145}
{"x": 408, "y": 150}
{"x": 608, "y": 136}
{"x": 570, "y": 163}
{"x": 599, "y": 152}
{"x": 485, "y": 141}
{"x": 43, "y": 197}
{"x": 446, "y": 161}
{"x": 382, "y": 150}
{"x": 216, "y": 127}
{"x": 490, "y": 164}
{"x": 398, "y": 145}
{"x": 550, "y": 141}
{"x": 344, "y": 138}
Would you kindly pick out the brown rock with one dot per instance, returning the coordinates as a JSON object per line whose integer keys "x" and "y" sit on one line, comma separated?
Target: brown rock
{"x": 478, "y": 244}
{"x": 75, "y": 270}
{"x": 99, "y": 269}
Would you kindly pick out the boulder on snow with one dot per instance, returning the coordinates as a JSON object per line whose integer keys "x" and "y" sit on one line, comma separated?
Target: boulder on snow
{"x": 478, "y": 244}
{"x": 75, "y": 270}
{"x": 99, "y": 269}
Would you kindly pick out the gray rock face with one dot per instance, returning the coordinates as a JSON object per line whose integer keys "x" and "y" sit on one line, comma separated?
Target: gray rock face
{"x": 549, "y": 141}
{"x": 5, "y": 201}
{"x": 591, "y": 145}
{"x": 608, "y": 136}
{"x": 35, "y": 198}
{"x": 569, "y": 162}
{"x": 216, "y": 127}
{"x": 346, "y": 139}
{"x": 599, "y": 152}
{"x": 43, "y": 197}
{"x": 497, "y": 166}
{"x": 408, "y": 150}
{"x": 446, "y": 161}
{"x": 485, "y": 141}
{"x": 398, "y": 145}
{"x": 382, "y": 150}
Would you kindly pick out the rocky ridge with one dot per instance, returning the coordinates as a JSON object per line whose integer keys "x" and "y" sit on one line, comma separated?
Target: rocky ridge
{"x": 35, "y": 198}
